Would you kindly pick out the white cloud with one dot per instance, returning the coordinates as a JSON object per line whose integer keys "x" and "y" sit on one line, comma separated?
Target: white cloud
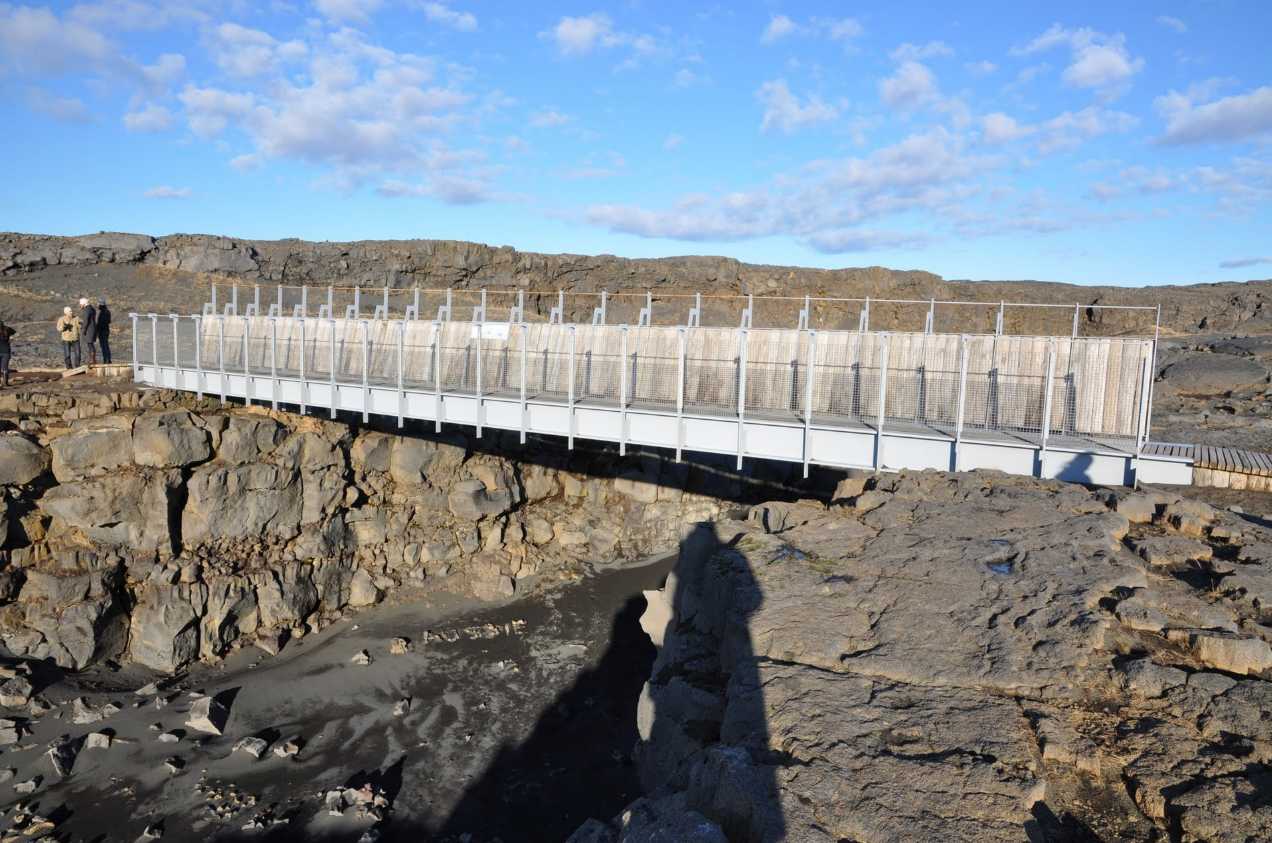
{"x": 549, "y": 118}
{"x": 779, "y": 26}
{"x": 38, "y": 42}
{"x": 841, "y": 241}
{"x": 246, "y": 163}
{"x": 1227, "y": 120}
{"x": 981, "y": 68}
{"x": 210, "y": 110}
{"x": 1000, "y": 128}
{"x": 784, "y": 111}
{"x": 453, "y": 190}
{"x": 244, "y": 52}
{"x": 61, "y": 109}
{"x": 152, "y": 118}
{"x": 578, "y": 36}
{"x": 1097, "y": 61}
{"x": 672, "y": 141}
{"x": 685, "y": 78}
{"x": 355, "y": 11}
{"x": 446, "y": 16}
{"x": 911, "y": 86}
{"x": 1070, "y": 129}
{"x": 1242, "y": 263}
{"x": 1172, "y": 23}
{"x": 165, "y": 191}
{"x": 918, "y": 52}
{"x": 135, "y": 15}
{"x": 843, "y": 29}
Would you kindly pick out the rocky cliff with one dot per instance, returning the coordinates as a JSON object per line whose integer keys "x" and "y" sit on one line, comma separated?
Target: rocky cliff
{"x": 449, "y": 263}
{"x": 160, "y": 530}
{"x": 961, "y": 658}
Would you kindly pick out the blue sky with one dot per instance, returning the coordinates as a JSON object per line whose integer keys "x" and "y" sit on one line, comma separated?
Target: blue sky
{"x": 1092, "y": 143}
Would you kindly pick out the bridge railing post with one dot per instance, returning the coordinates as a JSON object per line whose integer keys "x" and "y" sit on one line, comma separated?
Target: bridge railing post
{"x": 1046, "y": 404}
{"x": 304, "y": 385}
{"x": 962, "y": 398}
{"x": 136, "y": 363}
{"x": 883, "y": 400}
{"x": 478, "y": 390}
{"x": 570, "y": 392}
{"x": 743, "y": 338}
{"x": 334, "y": 396}
{"x": 810, "y": 369}
{"x": 682, "y": 343}
{"x": 247, "y": 368}
{"x": 437, "y": 376}
{"x": 154, "y": 345}
{"x": 220, "y": 355}
{"x": 176, "y": 344}
{"x": 273, "y": 360}
{"x": 401, "y": 371}
{"x": 366, "y": 366}
{"x": 525, "y": 361}
{"x": 197, "y": 321}
{"x": 622, "y": 392}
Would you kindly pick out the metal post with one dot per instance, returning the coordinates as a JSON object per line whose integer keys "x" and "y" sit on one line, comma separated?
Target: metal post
{"x": 682, "y": 338}
{"x": 863, "y": 324}
{"x": 998, "y": 324}
{"x": 256, "y": 299}
{"x": 280, "y": 299}
{"x": 220, "y": 355}
{"x": 742, "y": 346}
{"x": 273, "y": 362}
{"x": 334, "y": 389}
{"x": 437, "y": 376}
{"x": 176, "y": 343}
{"x": 1046, "y": 404}
{"x": 1142, "y": 420}
{"x": 214, "y": 298}
{"x": 479, "y": 356}
{"x": 810, "y": 370}
{"x": 962, "y": 398}
{"x": 1075, "y": 320}
{"x": 622, "y": 392}
{"x": 357, "y": 302}
{"x": 136, "y": 362}
{"x": 525, "y": 361}
{"x": 234, "y": 300}
{"x": 247, "y": 369}
{"x": 304, "y": 300}
{"x": 154, "y": 345}
{"x": 366, "y": 365}
{"x": 331, "y": 307}
{"x": 401, "y": 370}
{"x": 883, "y": 400}
{"x": 570, "y": 396}
{"x": 1152, "y": 375}
{"x": 198, "y": 355}
{"x": 385, "y": 301}
{"x": 416, "y": 302}
{"x": 304, "y": 385}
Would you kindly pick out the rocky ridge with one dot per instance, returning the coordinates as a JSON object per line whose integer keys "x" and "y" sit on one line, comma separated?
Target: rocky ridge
{"x": 449, "y": 263}
{"x": 961, "y": 657}
{"x": 161, "y": 530}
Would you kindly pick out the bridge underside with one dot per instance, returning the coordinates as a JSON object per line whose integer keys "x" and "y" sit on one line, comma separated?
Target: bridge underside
{"x": 781, "y": 435}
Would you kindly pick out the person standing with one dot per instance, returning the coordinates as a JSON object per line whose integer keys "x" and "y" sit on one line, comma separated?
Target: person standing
{"x": 68, "y": 328}
{"x": 103, "y": 330}
{"x": 6, "y": 351}
{"x": 88, "y": 332}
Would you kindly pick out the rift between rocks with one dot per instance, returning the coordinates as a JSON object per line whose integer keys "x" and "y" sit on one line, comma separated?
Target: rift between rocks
{"x": 164, "y": 534}
{"x": 446, "y": 263}
{"x": 961, "y": 658}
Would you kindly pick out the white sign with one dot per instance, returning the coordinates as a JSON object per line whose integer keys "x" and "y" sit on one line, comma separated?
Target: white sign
{"x": 491, "y": 331}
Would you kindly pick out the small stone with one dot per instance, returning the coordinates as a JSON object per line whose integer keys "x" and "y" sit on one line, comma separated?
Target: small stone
{"x": 208, "y": 715}
{"x": 174, "y": 764}
{"x": 152, "y": 832}
{"x": 15, "y": 692}
{"x": 82, "y": 713}
{"x": 7, "y": 774}
{"x": 400, "y": 646}
{"x": 288, "y": 749}
{"x": 253, "y": 746}
{"x": 28, "y": 786}
{"x": 362, "y": 657}
{"x": 148, "y": 690}
{"x": 402, "y": 707}
{"x": 97, "y": 740}
{"x": 10, "y": 732}
{"x": 169, "y": 737}
{"x": 62, "y": 755}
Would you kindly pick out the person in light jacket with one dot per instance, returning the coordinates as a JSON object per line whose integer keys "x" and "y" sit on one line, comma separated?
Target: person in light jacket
{"x": 68, "y": 328}
{"x": 103, "y": 330}
{"x": 88, "y": 331}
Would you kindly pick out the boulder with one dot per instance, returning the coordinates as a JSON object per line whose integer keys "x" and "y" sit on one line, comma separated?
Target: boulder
{"x": 91, "y": 451}
{"x": 208, "y": 715}
{"x": 247, "y": 438}
{"x": 233, "y": 502}
{"x": 362, "y": 590}
{"x": 15, "y": 692}
{"x": 372, "y": 451}
{"x": 129, "y": 510}
{"x": 165, "y": 626}
{"x": 21, "y": 461}
{"x": 169, "y": 440}
{"x": 472, "y": 501}
{"x": 1214, "y": 374}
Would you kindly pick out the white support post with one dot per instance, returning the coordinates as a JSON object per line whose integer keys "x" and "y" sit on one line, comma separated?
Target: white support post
{"x": 1141, "y": 426}
{"x": 234, "y": 300}
{"x": 863, "y": 323}
{"x": 304, "y": 384}
{"x": 682, "y": 341}
{"x": 804, "y": 318}
{"x": 247, "y": 369}
{"x": 357, "y": 302}
{"x": 280, "y": 299}
{"x": 366, "y": 366}
{"x": 998, "y": 323}
{"x": 695, "y": 313}
{"x": 883, "y": 400}
{"x": 437, "y": 376}
{"x": 525, "y": 361}
{"x": 1076, "y": 307}
{"x": 742, "y": 348}
{"x": 479, "y": 373}
{"x": 1046, "y": 403}
{"x": 570, "y": 394}
{"x": 810, "y": 374}
{"x": 256, "y": 299}
{"x": 331, "y": 306}
{"x": 154, "y": 345}
{"x": 136, "y": 362}
{"x": 334, "y": 388}
{"x": 176, "y": 343}
{"x": 598, "y": 315}
{"x": 273, "y": 362}
{"x": 213, "y": 298}
{"x": 622, "y": 392}
{"x": 962, "y": 399}
{"x": 747, "y": 313}
{"x": 556, "y": 315}
{"x": 198, "y": 355}
{"x": 304, "y": 301}
{"x": 220, "y": 354}
{"x": 401, "y": 371}
{"x": 930, "y": 323}
{"x": 415, "y": 300}
{"x": 385, "y": 301}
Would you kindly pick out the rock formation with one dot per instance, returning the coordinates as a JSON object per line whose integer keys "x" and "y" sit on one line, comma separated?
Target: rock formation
{"x": 961, "y": 657}
{"x": 164, "y": 534}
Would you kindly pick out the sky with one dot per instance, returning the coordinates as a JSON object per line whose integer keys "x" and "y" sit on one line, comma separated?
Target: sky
{"x": 1088, "y": 142}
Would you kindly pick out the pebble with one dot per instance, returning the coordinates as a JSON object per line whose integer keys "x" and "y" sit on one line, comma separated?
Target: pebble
{"x": 362, "y": 657}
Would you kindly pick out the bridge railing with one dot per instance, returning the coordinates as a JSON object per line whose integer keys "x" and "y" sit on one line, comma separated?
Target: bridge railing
{"x": 666, "y": 308}
{"x": 1035, "y": 388}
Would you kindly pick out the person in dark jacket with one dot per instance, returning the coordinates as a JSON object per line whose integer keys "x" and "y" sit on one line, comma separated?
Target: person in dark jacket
{"x": 88, "y": 332}
{"x": 103, "y": 330}
{"x": 6, "y": 352}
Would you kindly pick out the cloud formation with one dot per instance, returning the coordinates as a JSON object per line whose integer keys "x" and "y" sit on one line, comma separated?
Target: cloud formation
{"x": 1227, "y": 120}
{"x": 785, "y": 112}
{"x": 1097, "y": 61}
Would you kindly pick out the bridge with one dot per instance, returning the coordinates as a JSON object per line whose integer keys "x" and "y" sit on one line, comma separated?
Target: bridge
{"x": 1063, "y": 406}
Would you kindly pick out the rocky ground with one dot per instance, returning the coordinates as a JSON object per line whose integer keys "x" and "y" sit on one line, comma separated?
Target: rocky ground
{"x": 1214, "y": 390}
{"x": 962, "y": 657}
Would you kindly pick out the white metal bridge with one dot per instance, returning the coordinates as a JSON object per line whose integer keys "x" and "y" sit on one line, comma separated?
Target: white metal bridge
{"x": 1069, "y": 407}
